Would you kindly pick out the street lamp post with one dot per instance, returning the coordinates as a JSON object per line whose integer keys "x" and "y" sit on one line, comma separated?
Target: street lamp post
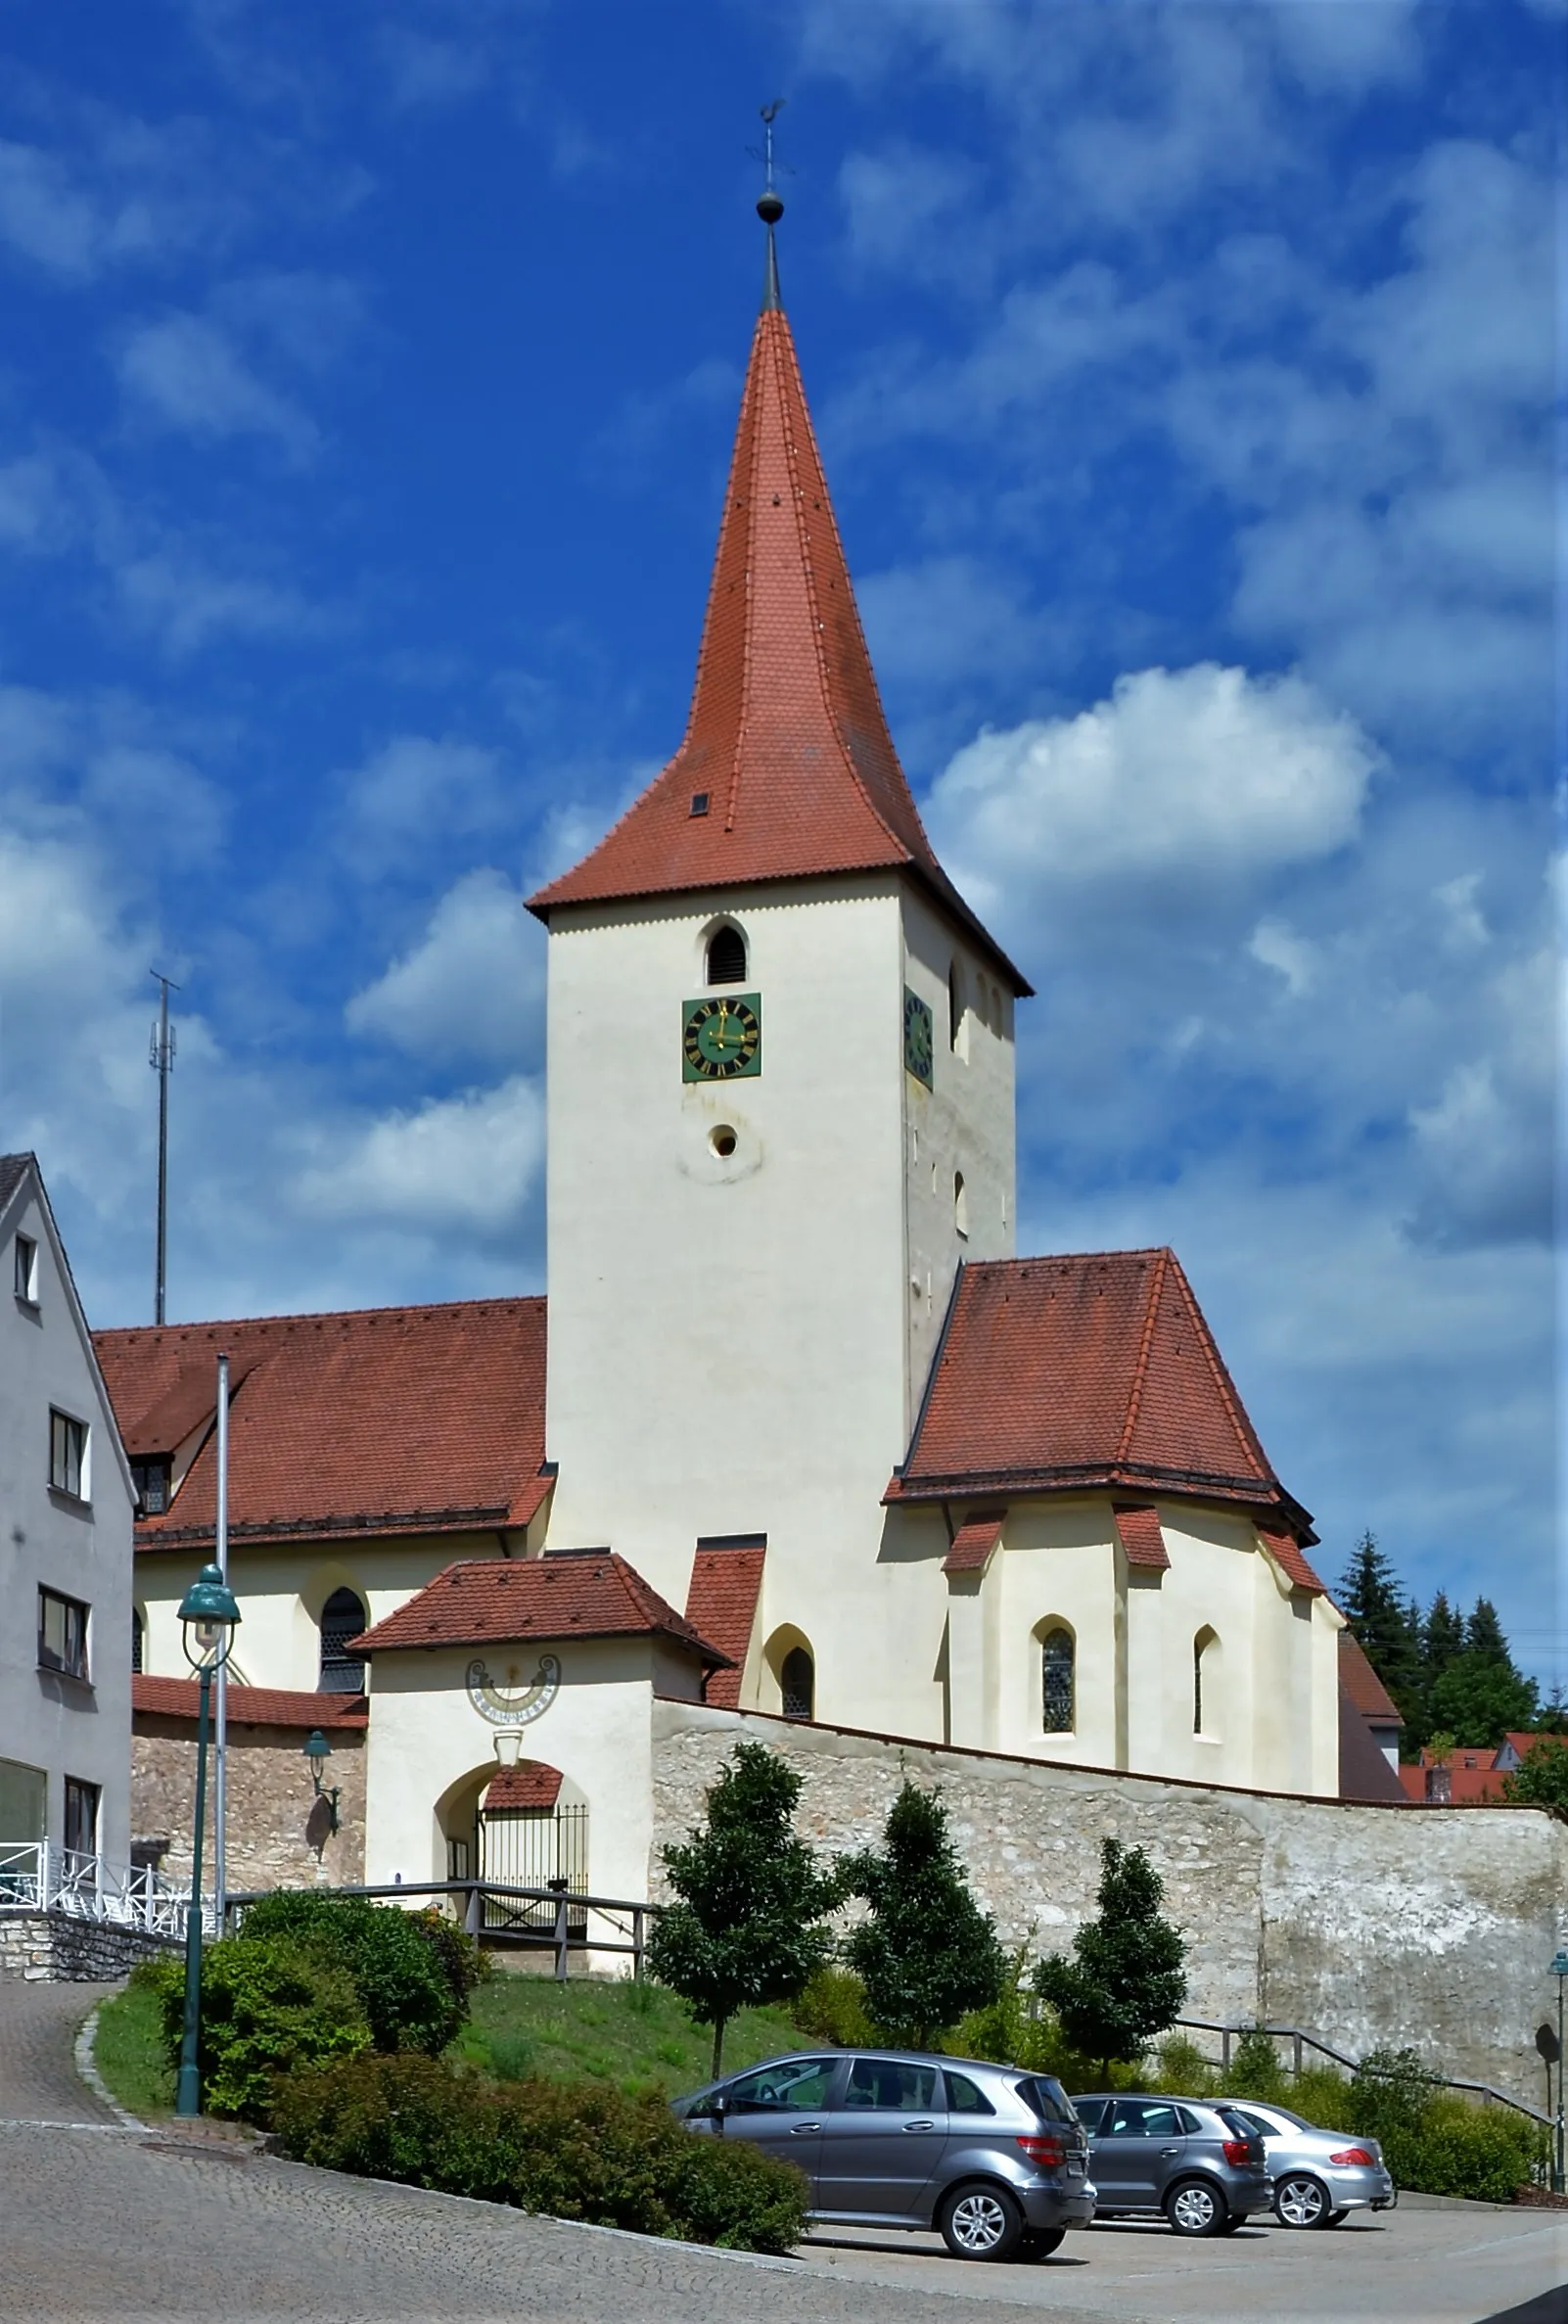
{"x": 1559, "y": 1969}
{"x": 208, "y": 1616}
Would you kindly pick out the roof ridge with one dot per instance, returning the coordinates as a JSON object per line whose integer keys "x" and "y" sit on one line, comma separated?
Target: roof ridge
{"x": 1140, "y": 1368}
{"x": 325, "y": 1314}
{"x": 1246, "y": 1434}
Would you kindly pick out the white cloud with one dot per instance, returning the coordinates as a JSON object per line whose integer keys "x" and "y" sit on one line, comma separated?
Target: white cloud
{"x": 1278, "y": 947}
{"x": 176, "y": 596}
{"x": 1197, "y": 775}
{"x": 186, "y": 374}
{"x": 471, "y": 988}
{"x": 468, "y": 1162}
{"x": 43, "y": 215}
{"x": 419, "y": 790}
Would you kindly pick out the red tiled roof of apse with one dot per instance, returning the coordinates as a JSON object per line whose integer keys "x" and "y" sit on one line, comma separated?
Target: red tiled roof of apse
{"x": 974, "y": 1541}
{"x": 1286, "y": 1551}
{"x": 395, "y": 1419}
{"x": 524, "y": 1789}
{"x": 786, "y": 739}
{"x": 1138, "y": 1529}
{"x": 248, "y": 1706}
{"x": 520, "y": 1601}
{"x": 721, "y": 1604}
{"x": 1362, "y": 1684}
{"x": 1090, "y": 1369}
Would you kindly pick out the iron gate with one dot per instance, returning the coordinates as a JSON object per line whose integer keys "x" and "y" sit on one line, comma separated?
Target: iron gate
{"x": 537, "y": 1848}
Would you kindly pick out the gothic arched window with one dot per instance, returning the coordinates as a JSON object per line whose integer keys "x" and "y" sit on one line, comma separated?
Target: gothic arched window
{"x": 726, "y": 957}
{"x": 1057, "y": 1660}
{"x": 342, "y": 1617}
{"x": 797, "y": 1680}
{"x": 1205, "y": 1683}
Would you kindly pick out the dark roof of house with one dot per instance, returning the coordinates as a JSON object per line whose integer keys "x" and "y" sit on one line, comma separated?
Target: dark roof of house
{"x": 14, "y": 1168}
{"x": 726, "y": 1581}
{"x": 248, "y": 1706}
{"x": 518, "y": 1601}
{"x": 1363, "y": 1772}
{"x": 786, "y": 743}
{"x": 1090, "y": 1369}
{"x": 1360, "y": 1682}
{"x": 381, "y": 1421}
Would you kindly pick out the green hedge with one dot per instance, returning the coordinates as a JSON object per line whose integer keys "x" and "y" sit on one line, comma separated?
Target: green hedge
{"x": 413, "y": 1971}
{"x": 268, "y": 2004}
{"x": 570, "y": 2151}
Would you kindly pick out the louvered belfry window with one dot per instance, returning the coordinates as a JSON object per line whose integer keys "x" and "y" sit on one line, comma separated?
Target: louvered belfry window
{"x": 726, "y": 957}
{"x": 342, "y": 1617}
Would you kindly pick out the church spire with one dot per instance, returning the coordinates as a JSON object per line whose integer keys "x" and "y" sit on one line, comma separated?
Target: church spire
{"x": 787, "y": 770}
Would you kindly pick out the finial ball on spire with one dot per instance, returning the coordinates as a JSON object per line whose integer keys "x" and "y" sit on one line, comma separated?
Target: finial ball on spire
{"x": 769, "y": 208}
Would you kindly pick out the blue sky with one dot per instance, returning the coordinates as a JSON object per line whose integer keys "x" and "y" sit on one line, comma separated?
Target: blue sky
{"x": 1185, "y": 380}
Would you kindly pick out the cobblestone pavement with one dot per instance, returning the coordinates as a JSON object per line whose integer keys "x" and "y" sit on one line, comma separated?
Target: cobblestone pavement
{"x": 39, "y": 2081}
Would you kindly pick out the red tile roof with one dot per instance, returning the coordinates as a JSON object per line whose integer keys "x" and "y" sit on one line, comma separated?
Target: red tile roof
{"x": 524, "y": 1789}
{"x": 721, "y": 1597}
{"x": 1468, "y": 1786}
{"x": 974, "y": 1541}
{"x": 1092, "y": 1370}
{"x": 395, "y": 1419}
{"x": 1142, "y": 1542}
{"x": 1286, "y": 1551}
{"x": 248, "y": 1706}
{"x": 505, "y": 1602}
{"x": 1362, "y": 1684}
{"x": 786, "y": 739}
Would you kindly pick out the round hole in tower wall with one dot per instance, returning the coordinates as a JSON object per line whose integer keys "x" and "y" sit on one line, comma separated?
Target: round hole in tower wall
{"x": 722, "y": 1140}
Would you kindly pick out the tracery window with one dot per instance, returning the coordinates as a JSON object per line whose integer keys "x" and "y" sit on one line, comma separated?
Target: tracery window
{"x": 1057, "y": 1665}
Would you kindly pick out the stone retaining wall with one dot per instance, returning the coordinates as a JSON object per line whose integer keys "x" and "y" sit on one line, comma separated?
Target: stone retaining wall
{"x": 1370, "y": 1926}
{"x": 55, "y": 1948}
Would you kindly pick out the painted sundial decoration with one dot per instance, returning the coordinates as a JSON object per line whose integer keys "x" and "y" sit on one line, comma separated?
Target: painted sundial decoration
{"x": 517, "y": 1698}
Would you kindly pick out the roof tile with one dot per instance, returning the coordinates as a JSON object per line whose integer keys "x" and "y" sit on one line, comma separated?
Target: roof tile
{"x": 1359, "y": 1682}
{"x": 1138, "y": 1527}
{"x": 522, "y": 1789}
{"x": 974, "y": 1542}
{"x": 520, "y": 1600}
{"x": 721, "y": 1604}
{"x": 254, "y": 1706}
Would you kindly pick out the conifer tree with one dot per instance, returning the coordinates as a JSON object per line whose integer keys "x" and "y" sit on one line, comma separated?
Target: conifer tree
{"x": 1126, "y": 1982}
{"x": 1387, "y": 1628}
{"x": 750, "y": 1926}
{"x": 1482, "y": 1634}
{"x": 926, "y": 1952}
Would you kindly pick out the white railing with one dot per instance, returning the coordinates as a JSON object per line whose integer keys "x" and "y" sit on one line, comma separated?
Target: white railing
{"x": 36, "y": 1876}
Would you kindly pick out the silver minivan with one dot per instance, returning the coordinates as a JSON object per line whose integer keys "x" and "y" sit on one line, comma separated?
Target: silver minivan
{"x": 993, "y": 2158}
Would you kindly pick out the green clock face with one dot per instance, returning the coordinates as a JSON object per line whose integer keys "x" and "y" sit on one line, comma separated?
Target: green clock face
{"x": 722, "y": 1039}
{"x": 916, "y": 1037}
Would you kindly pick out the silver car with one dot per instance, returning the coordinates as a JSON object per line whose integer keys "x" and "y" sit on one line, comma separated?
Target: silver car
{"x": 1196, "y": 2160}
{"x": 1319, "y": 2174}
{"x": 993, "y": 2158}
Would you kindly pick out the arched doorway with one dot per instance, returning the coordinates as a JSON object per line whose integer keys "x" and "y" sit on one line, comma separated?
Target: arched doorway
{"x": 522, "y": 1826}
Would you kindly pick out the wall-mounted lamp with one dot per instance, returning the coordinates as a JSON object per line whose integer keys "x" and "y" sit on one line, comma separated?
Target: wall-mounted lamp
{"x": 318, "y": 1751}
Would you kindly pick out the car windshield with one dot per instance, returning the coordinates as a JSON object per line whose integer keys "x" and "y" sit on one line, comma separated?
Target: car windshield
{"x": 793, "y": 2085}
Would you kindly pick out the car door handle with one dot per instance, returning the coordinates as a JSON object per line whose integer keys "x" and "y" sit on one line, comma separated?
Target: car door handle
{"x": 800, "y": 2129}
{"x": 920, "y": 2125}
{"x": 1167, "y": 2152}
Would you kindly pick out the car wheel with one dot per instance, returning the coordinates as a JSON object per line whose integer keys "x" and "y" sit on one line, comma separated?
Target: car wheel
{"x": 1300, "y": 2201}
{"x": 981, "y": 2223}
{"x": 1194, "y": 2207}
{"x": 1041, "y": 2242}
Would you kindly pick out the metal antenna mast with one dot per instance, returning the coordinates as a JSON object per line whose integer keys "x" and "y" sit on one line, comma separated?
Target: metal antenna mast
{"x": 160, "y": 1057}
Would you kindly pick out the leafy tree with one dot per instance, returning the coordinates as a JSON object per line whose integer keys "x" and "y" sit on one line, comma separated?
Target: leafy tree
{"x": 926, "y": 1952}
{"x": 749, "y": 1926}
{"x": 1541, "y": 1779}
{"x": 1385, "y": 1625}
{"x": 1125, "y": 1983}
{"x": 1480, "y": 1698}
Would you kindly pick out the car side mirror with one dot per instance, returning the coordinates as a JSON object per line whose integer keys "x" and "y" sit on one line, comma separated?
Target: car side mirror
{"x": 721, "y": 2105}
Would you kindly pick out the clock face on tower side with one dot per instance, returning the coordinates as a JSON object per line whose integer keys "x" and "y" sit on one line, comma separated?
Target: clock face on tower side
{"x": 916, "y": 1037}
{"x": 721, "y": 1037}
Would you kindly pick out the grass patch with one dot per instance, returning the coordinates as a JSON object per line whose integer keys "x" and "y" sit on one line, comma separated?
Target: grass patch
{"x": 131, "y": 2055}
{"x": 636, "y": 2036}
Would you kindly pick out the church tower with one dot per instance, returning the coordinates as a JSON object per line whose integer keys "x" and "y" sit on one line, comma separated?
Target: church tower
{"x": 781, "y": 1107}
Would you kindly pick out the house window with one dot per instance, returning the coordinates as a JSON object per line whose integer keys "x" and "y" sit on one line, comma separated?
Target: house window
{"x": 1057, "y": 1656}
{"x": 138, "y": 1640}
{"x": 797, "y": 1680}
{"x": 67, "y": 1455}
{"x": 151, "y": 1479}
{"x": 1205, "y": 1682}
{"x": 342, "y": 1617}
{"x": 726, "y": 957}
{"x": 81, "y": 1817}
{"x": 62, "y": 1634}
{"x": 26, "y": 1265}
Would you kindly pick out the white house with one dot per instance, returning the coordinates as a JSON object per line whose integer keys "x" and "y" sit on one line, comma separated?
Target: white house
{"x": 791, "y": 1379}
{"x": 67, "y": 1503}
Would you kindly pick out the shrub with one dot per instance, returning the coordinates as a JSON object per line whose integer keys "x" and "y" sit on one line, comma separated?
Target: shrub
{"x": 269, "y": 2004}
{"x": 1255, "y": 2068}
{"x": 1459, "y": 2149}
{"x": 578, "y": 2151}
{"x": 413, "y": 1971}
{"x": 1184, "y": 2070}
{"x": 832, "y": 2009}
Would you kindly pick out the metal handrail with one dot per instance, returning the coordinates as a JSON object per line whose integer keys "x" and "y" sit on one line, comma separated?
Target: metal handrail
{"x": 1300, "y": 2039}
{"x": 567, "y": 1904}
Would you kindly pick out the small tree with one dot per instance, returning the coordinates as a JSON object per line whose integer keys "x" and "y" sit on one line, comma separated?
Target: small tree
{"x": 1541, "y": 1779}
{"x": 1125, "y": 1983}
{"x": 750, "y": 1925}
{"x": 926, "y": 1952}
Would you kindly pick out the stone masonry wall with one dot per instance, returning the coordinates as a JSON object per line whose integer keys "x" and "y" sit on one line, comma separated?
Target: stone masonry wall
{"x": 57, "y": 1948}
{"x": 1366, "y": 1925}
{"x": 277, "y": 1830}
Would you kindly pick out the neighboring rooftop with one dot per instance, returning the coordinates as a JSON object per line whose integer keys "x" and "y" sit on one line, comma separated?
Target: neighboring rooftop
{"x": 1092, "y": 1370}
{"x": 248, "y": 1706}
{"x": 535, "y": 1601}
{"x": 388, "y": 1421}
{"x": 1362, "y": 1684}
